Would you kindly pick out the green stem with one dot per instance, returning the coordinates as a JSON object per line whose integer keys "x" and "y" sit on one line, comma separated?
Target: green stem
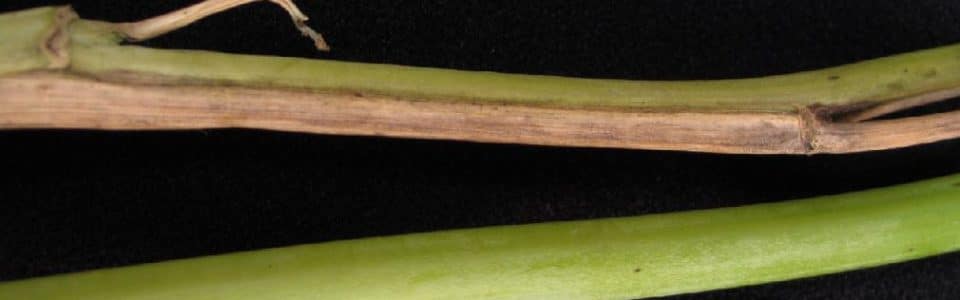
{"x": 619, "y": 258}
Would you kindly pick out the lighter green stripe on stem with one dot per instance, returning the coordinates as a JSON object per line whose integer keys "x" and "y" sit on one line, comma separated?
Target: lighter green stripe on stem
{"x": 618, "y": 258}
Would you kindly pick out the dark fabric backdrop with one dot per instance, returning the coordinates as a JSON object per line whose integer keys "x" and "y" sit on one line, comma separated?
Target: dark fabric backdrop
{"x": 78, "y": 200}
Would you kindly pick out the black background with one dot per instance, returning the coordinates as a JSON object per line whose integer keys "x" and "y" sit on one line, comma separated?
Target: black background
{"x": 78, "y": 200}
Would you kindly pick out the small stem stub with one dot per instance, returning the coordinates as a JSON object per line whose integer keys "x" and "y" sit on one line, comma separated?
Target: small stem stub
{"x": 162, "y": 24}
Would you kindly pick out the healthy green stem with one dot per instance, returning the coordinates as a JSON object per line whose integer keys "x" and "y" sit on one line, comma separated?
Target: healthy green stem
{"x": 619, "y": 258}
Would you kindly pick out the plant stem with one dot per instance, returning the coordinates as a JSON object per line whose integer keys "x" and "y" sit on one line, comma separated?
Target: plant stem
{"x": 620, "y": 258}
{"x": 828, "y": 110}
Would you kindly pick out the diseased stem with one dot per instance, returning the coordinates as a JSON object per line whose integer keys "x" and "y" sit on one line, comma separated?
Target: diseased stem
{"x": 80, "y": 102}
{"x": 621, "y": 258}
{"x": 89, "y": 80}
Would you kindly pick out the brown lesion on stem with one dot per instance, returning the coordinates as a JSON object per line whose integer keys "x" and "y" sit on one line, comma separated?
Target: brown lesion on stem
{"x": 80, "y": 101}
{"x": 162, "y": 24}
